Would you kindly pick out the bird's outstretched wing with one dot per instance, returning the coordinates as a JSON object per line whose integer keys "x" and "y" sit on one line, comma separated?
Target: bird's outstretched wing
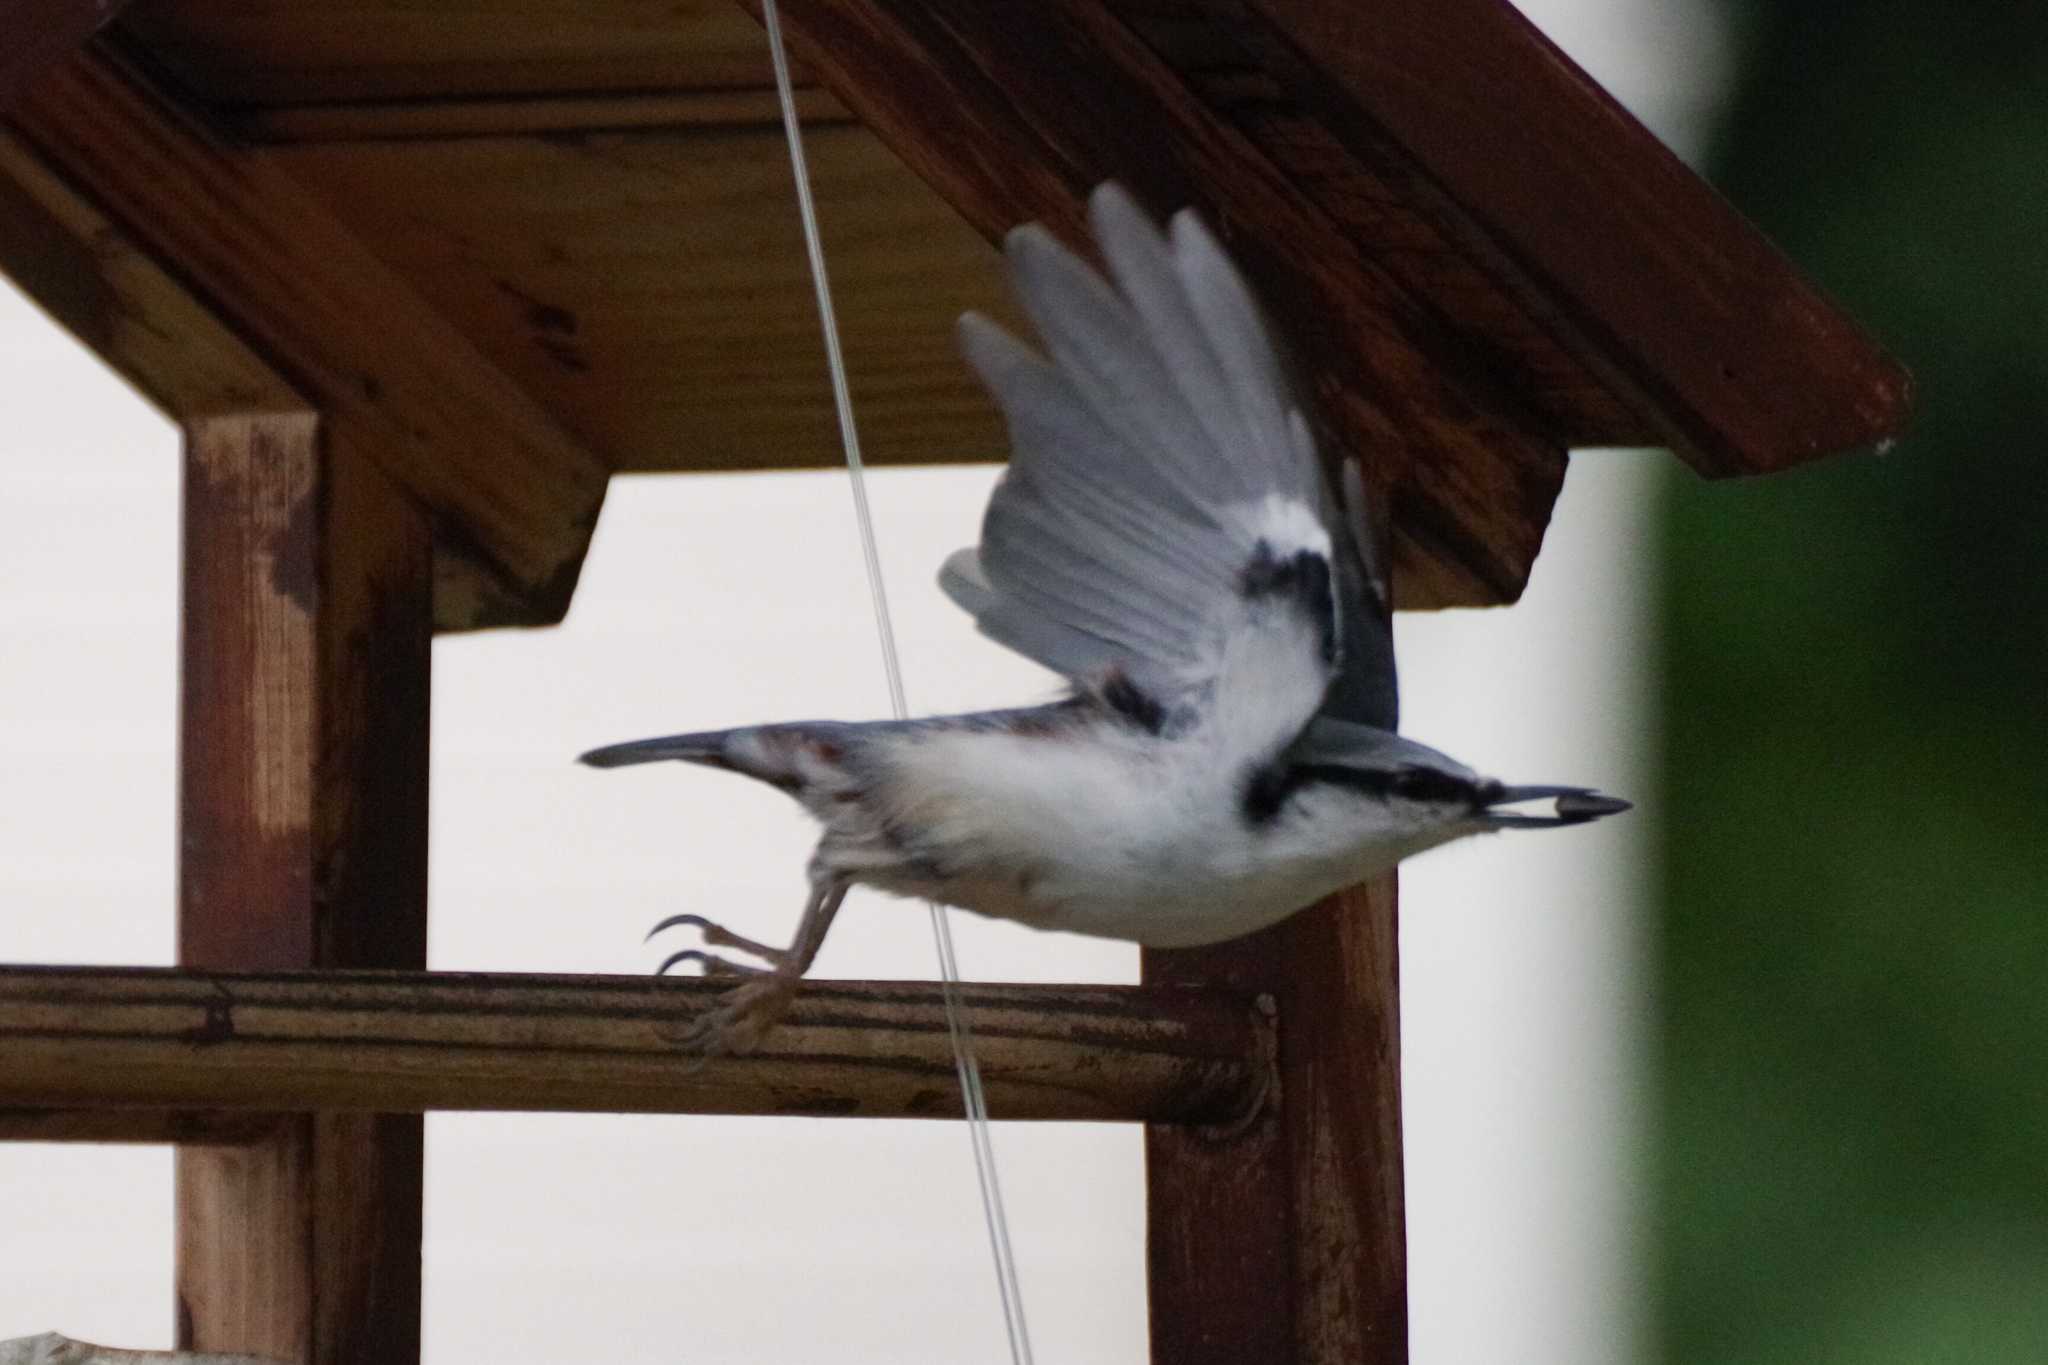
{"x": 1165, "y": 521}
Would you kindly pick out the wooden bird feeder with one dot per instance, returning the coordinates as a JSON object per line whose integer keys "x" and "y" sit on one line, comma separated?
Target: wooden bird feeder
{"x": 415, "y": 280}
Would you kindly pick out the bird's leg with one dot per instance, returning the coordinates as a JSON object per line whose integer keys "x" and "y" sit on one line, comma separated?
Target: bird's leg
{"x": 744, "y": 1013}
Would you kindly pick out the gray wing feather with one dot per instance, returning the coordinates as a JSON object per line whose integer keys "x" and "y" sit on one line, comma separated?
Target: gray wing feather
{"x": 1230, "y": 319}
{"x": 1065, "y": 650}
{"x": 1139, "y": 451}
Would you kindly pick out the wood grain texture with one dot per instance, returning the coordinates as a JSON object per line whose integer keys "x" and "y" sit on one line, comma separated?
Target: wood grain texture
{"x": 1014, "y": 113}
{"x": 1685, "y": 309}
{"x": 650, "y": 289}
{"x": 1303, "y": 1239}
{"x": 503, "y": 480}
{"x": 41, "y": 34}
{"x": 248, "y": 690}
{"x": 308, "y": 617}
{"x": 354, "y": 1043}
{"x": 741, "y": 110}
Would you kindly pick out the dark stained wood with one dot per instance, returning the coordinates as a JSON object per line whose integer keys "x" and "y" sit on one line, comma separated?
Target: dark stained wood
{"x": 308, "y": 617}
{"x": 356, "y": 1042}
{"x": 1335, "y": 1270}
{"x": 1016, "y": 112}
{"x": 1686, "y": 310}
{"x": 649, "y": 287}
{"x": 206, "y": 1127}
{"x": 506, "y": 484}
{"x": 229, "y": 52}
{"x": 42, "y": 33}
{"x": 1382, "y": 199}
{"x": 415, "y": 120}
{"x": 1219, "y": 1230}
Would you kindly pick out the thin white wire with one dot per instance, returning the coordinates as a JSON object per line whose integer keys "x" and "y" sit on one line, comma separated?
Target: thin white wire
{"x": 942, "y": 934}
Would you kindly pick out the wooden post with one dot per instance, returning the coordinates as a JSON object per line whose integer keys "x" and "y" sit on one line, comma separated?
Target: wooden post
{"x": 1285, "y": 1240}
{"x": 303, "y": 768}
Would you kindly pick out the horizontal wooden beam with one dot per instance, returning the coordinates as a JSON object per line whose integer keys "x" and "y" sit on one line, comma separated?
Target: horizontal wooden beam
{"x": 230, "y": 53}
{"x": 184, "y": 1127}
{"x": 398, "y": 1042}
{"x": 499, "y": 116}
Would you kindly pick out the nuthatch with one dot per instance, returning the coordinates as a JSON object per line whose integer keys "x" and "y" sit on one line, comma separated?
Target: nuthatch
{"x": 1165, "y": 539}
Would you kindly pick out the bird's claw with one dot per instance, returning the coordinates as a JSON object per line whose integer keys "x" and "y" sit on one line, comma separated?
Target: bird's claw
{"x": 741, "y": 1017}
{"x": 711, "y": 964}
{"x": 715, "y": 936}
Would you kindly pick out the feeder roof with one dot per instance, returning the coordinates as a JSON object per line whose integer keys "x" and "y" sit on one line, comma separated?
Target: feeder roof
{"x": 512, "y": 248}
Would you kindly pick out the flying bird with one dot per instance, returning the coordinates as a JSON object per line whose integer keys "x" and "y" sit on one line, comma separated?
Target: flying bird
{"x": 1165, "y": 538}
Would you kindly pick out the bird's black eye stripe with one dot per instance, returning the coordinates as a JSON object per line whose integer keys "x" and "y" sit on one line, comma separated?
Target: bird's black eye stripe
{"x": 1271, "y": 787}
{"x": 1302, "y": 577}
{"x": 1409, "y": 784}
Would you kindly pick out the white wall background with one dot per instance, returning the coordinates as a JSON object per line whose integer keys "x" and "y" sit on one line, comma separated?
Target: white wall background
{"x": 720, "y": 600}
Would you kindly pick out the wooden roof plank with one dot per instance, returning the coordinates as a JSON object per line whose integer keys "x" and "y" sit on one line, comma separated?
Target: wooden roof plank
{"x": 1014, "y": 113}
{"x": 1697, "y": 319}
{"x": 649, "y": 286}
{"x": 505, "y": 483}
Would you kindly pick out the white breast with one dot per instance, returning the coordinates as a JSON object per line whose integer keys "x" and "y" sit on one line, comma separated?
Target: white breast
{"x": 1117, "y": 834}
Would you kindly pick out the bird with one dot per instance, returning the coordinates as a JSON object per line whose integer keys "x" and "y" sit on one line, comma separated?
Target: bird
{"x": 1166, "y": 539}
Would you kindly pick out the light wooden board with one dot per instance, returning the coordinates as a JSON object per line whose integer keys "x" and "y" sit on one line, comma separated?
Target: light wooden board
{"x": 649, "y": 287}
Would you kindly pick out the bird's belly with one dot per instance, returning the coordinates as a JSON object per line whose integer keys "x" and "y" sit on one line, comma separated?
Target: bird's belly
{"x": 1163, "y": 897}
{"x": 1192, "y": 911}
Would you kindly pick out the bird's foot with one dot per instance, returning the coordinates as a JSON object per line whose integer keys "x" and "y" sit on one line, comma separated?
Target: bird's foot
{"x": 740, "y": 1018}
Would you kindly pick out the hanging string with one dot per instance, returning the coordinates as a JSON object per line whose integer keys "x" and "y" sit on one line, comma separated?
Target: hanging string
{"x": 942, "y": 933}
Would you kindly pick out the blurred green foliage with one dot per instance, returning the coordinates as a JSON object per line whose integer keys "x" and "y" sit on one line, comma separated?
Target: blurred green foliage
{"x": 1852, "y": 1159}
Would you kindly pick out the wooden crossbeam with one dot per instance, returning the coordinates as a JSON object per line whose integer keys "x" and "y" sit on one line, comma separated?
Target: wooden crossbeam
{"x": 157, "y": 1039}
{"x": 198, "y": 1127}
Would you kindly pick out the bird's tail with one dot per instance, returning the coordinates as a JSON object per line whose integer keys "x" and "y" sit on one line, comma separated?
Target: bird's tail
{"x": 1574, "y": 806}
{"x": 796, "y": 758}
